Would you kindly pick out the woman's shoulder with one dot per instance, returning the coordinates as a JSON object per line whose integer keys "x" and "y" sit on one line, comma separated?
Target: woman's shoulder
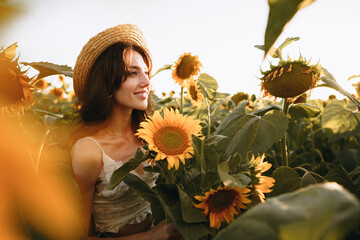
{"x": 86, "y": 156}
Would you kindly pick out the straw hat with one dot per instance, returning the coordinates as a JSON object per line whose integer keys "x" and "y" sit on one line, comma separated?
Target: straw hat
{"x": 126, "y": 33}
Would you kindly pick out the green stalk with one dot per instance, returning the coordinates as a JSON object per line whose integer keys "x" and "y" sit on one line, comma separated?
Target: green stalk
{"x": 209, "y": 117}
{"x": 285, "y": 160}
{"x": 182, "y": 100}
{"x": 40, "y": 151}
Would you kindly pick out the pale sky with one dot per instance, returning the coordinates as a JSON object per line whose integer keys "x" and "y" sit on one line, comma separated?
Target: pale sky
{"x": 221, "y": 33}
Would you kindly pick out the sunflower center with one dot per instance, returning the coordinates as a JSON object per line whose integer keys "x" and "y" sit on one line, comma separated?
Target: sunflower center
{"x": 221, "y": 200}
{"x": 171, "y": 140}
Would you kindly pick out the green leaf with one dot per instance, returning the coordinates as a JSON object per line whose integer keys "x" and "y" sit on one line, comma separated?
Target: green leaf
{"x": 47, "y": 69}
{"x": 303, "y": 110}
{"x": 120, "y": 173}
{"x": 143, "y": 190}
{"x": 205, "y": 155}
{"x": 235, "y": 115}
{"x": 208, "y": 85}
{"x": 255, "y": 134}
{"x": 311, "y": 178}
{"x": 322, "y": 211}
{"x": 189, "y": 212}
{"x": 341, "y": 121}
{"x": 218, "y": 95}
{"x": 262, "y": 111}
{"x": 170, "y": 200}
{"x": 281, "y": 12}
{"x": 329, "y": 81}
{"x": 165, "y": 67}
{"x": 286, "y": 180}
{"x": 238, "y": 179}
{"x": 338, "y": 174}
{"x": 214, "y": 139}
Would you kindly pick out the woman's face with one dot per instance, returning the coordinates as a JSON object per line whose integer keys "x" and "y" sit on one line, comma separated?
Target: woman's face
{"x": 134, "y": 91}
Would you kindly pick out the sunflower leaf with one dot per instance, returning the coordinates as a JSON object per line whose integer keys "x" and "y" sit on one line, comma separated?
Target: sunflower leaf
{"x": 208, "y": 85}
{"x": 165, "y": 67}
{"x": 286, "y": 180}
{"x": 190, "y": 214}
{"x": 329, "y": 81}
{"x": 340, "y": 121}
{"x": 205, "y": 155}
{"x": 120, "y": 173}
{"x": 322, "y": 211}
{"x": 232, "y": 180}
{"x": 281, "y": 12}
{"x": 302, "y": 110}
{"x": 47, "y": 69}
{"x": 250, "y": 133}
{"x": 143, "y": 190}
{"x": 170, "y": 200}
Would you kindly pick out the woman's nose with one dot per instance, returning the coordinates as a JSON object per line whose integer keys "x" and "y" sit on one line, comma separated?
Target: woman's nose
{"x": 145, "y": 81}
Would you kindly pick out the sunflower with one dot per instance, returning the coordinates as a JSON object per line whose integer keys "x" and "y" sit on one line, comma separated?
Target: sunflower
{"x": 15, "y": 93}
{"x": 170, "y": 137}
{"x": 41, "y": 84}
{"x": 222, "y": 204}
{"x": 238, "y": 97}
{"x": 264, "y": 183}
{"x": 290, "y": 79}
{"x": 58, "y": 92}
{"x": 185, "y": 67}
{"x": 194, "y": 93}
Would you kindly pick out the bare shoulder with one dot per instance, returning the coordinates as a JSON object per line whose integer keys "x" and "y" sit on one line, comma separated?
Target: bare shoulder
{"x": 86, "y": 159}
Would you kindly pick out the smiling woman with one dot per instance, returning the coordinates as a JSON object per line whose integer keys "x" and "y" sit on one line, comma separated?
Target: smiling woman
{"x": 111, "y": 80}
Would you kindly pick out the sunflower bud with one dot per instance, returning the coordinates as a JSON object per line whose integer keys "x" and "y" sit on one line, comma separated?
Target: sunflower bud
{"x": 290, "y": 79}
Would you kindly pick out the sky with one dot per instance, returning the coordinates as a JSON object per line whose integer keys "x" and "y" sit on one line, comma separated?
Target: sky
{"x": 221, "y": 33}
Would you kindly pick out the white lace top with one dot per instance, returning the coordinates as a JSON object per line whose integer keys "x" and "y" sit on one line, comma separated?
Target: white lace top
{"x": 113, "y": 209}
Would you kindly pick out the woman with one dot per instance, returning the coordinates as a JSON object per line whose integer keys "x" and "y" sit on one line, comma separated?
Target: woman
{"x": 112, "y": 83}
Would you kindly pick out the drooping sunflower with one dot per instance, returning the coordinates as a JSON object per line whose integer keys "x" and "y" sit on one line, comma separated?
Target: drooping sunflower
{"x": 170, "y": 136}
{"x": 264, "y": 183}
{"x": 290, "y": 79}
{"x": 223, "y": 204}
{"x": 41, "y": 84}
{"x": 193, "y": 92}
{"x": 185, "y": 67}
{"x": 15, "y": 87}
{"x": 238, "y": 97}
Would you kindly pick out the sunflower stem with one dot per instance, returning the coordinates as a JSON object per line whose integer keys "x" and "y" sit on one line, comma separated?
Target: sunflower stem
{"x": 209, "y": 117}
{"x": 285, "y": 160}
{"x": 41, "y": 149}
{"x": 182, "y": 100}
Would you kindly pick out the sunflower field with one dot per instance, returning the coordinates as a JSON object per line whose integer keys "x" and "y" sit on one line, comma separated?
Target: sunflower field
{"x": 282, "y": 166}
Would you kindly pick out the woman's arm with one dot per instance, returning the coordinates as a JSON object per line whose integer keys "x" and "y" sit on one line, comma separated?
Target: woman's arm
{"x": 86, "y": 163}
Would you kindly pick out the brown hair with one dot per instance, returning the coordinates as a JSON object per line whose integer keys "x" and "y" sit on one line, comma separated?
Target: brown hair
{"x": 106, "y": 75}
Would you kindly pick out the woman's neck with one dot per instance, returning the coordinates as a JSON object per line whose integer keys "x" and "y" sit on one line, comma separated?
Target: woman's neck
{"x": 120, "y": 124}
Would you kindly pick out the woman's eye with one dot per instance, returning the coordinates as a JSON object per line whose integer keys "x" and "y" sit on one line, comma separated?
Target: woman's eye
{"x": 132, "y": 73}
